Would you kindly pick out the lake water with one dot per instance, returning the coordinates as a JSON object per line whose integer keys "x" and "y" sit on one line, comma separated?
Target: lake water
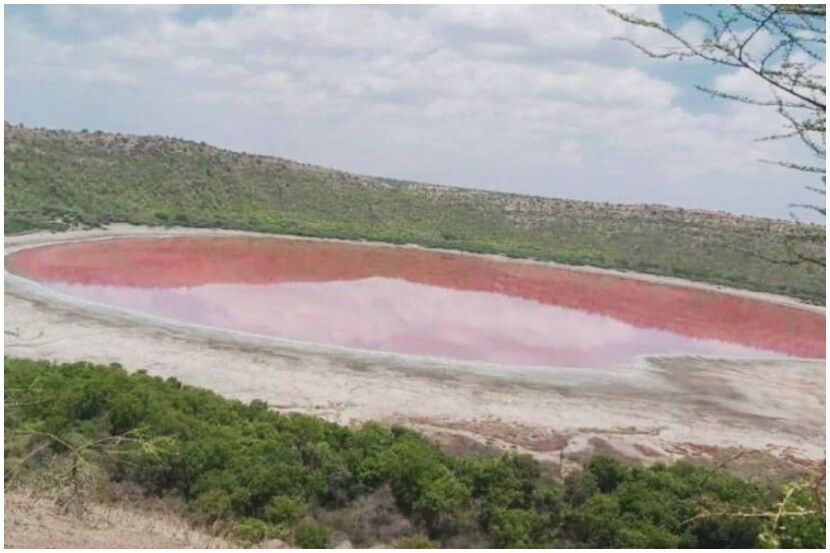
{"x": 407, "y": 300}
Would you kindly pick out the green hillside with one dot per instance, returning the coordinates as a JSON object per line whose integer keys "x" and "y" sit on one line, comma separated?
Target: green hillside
{"x": 54, "y": 179}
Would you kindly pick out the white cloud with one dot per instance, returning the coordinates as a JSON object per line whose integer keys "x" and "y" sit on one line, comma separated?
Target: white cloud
{"x": 109, "y": 73}
{"x": 97, "y": 20}
{"x": 569, "y": 153}
{"x": 454, "y": 94}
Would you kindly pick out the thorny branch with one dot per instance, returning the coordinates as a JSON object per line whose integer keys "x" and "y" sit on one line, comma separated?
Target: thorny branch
{"x": 782, "y": 45}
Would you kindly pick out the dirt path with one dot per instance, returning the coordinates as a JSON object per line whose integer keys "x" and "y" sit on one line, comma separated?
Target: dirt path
{"x": 655, "y": 409}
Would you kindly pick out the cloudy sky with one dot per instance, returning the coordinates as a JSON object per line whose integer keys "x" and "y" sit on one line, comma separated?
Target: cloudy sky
{"x": 534, "y": 100}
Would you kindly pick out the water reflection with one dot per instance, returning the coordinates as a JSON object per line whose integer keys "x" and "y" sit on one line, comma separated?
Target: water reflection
{"x": 394, "y": 315}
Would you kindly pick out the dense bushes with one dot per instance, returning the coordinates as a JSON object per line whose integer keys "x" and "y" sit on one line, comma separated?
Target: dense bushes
{"x": 264, "y": 475}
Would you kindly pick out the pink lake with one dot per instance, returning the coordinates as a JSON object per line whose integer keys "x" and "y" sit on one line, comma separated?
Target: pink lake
{"x": 416, "y": 302}
{"x": 393, "y": 315}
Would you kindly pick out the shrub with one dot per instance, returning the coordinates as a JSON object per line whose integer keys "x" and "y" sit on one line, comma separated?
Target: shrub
{"x": 608, "y": 473}
{"x": 580, "y": 487}
{"x": 442, "y": 503}
{"x": 595, "y": 523}
{"x": 213, "y": 505}
{"x": 285, "y": 510}
{"x": 519, "y": 529}
{"x": 252, "y": 531}
{"x": 311, "y": 535}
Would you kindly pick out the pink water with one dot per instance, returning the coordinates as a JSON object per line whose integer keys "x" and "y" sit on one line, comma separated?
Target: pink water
{"x": 394, "y": 315}
{"x": 418, "y": 302}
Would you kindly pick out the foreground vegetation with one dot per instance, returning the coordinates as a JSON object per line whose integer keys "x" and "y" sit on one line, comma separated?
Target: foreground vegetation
{"x": 255, "y": 475}
{"x": 57, "y": 179}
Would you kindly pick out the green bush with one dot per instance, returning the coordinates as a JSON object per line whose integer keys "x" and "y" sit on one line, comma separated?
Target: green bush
{"x": 213, "y": 505}
{"x": 311, "y": 535}
{"x": 285, "y": 510}
{"x": 519, "y": 529}
{"x": 265, "y": 475}
{"x": 442, "y": 503}
{"x": 607, "y": 473}
{"x": 252, "y": 531}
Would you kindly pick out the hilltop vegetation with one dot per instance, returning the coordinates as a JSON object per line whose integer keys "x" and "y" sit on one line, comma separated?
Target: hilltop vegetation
{"x": 253, "y": 474}
{"x": 55, "y": 179}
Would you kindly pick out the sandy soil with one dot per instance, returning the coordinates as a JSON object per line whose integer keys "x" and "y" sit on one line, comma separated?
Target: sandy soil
{"x": 655, "y": 409}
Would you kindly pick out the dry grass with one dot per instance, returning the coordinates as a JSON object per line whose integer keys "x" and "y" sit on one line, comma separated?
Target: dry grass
{"x": 36, "y": 518}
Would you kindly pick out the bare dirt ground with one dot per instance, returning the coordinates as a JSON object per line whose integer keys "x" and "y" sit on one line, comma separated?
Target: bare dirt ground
{"x": 657, "y": 409}
{"x": 34, "y": 520}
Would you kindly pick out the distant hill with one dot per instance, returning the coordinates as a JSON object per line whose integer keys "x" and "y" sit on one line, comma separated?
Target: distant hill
{"x": 57, "y": 179}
